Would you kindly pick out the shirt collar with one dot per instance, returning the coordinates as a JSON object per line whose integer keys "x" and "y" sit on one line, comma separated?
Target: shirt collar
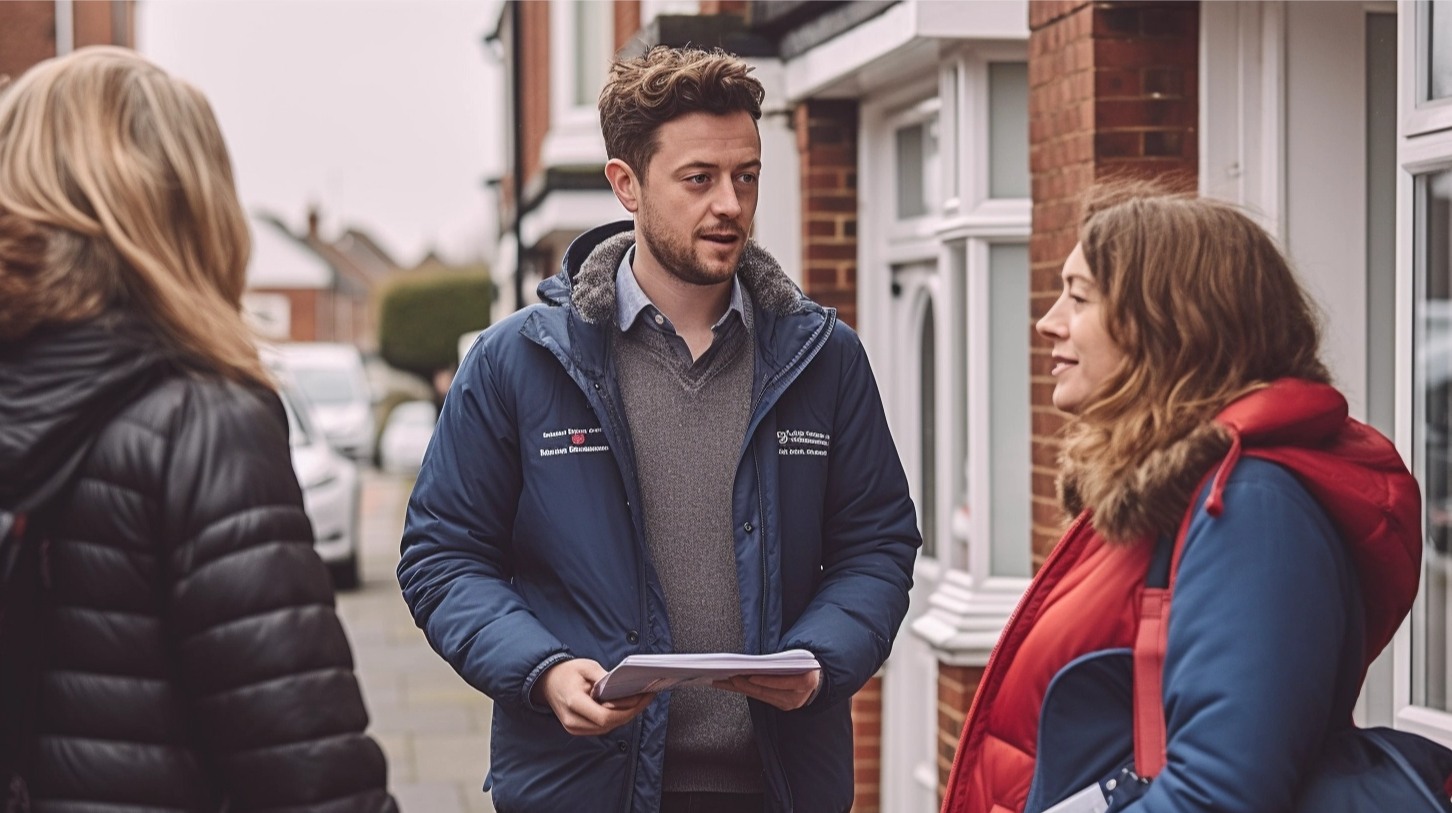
{"x": 630, "y": 299}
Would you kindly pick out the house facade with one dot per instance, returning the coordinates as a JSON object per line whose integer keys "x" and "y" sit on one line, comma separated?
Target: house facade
{"x": 922, "y": 163}
{"x": 302, "y": 287}
{"x": 40, "y": 29}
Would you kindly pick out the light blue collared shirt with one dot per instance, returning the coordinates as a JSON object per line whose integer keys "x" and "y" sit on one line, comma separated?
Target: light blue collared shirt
{"x": 630, "y": 300}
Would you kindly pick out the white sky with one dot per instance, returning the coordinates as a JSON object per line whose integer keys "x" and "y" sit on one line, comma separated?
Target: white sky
{"x": 386, "y": 113}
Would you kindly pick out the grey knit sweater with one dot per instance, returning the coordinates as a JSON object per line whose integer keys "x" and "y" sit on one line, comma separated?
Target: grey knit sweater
{"x": 687, "y": 423}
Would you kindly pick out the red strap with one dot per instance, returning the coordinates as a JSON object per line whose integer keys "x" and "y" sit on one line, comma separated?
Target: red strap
{"x": 1149, "y": 678}
{"x": 1215, "y": 505}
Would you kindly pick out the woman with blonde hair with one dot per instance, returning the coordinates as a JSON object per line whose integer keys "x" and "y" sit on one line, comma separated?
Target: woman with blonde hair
{"x": 1241, "y": 549}
{"x": 168, "y": 639}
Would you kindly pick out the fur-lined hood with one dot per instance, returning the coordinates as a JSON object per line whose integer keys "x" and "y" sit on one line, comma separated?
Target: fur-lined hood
{"x": 587, "y": 277}
{"x": 1355, "y": 474}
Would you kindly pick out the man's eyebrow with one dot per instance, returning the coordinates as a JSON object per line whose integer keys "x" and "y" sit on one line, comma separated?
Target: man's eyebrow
{"x": 753, "y": 164}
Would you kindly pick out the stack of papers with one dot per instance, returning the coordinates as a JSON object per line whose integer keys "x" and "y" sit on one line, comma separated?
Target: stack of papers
{"x": 656, "y": 673}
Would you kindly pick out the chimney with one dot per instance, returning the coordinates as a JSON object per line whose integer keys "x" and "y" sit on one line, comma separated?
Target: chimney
{"x": 313, "y": 220}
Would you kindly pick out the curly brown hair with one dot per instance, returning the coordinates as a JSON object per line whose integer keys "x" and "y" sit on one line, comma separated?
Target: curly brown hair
{"x": 1206, "y": 308}
{"x": 666, "y": 83}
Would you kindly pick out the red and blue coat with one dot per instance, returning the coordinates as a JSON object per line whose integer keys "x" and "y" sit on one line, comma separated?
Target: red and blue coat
{"x": 1301, "y": 556}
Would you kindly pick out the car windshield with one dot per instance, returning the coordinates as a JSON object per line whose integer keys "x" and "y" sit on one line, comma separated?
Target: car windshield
{"x": 327, "y": 387}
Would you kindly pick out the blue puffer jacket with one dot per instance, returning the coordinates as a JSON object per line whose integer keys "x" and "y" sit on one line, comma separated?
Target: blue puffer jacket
{"x": 524, "y": 543}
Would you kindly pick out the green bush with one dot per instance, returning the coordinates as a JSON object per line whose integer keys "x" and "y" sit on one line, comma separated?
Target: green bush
{"x": 421, "y": 318}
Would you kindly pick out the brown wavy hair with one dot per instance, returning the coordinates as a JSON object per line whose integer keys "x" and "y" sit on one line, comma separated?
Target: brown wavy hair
{"x": 1206, "y": 309}
{"x": 116, "y": 193}
{"x": 645, "y": 92}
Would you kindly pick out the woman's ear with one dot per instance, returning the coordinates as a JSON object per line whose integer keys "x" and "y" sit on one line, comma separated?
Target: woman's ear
{"x": 624, "y": 183}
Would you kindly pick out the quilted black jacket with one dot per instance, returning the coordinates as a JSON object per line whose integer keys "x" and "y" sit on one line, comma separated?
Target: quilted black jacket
{"x": 192, "y": 660}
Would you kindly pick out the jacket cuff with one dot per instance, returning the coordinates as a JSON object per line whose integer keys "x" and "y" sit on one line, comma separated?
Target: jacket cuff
{"x": 534, "y": 676}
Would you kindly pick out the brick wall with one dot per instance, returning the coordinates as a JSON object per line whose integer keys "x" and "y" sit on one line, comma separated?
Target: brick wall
{"x": 534, "y": 67}
{"x": 956, "y": 685}
{"x": 105, "y": 23}
{"x": 303, "y": 307}
{"x": 867, "y": 747}
{"x": 1112, "y": 89}
{"x": 27, "y": 29}
{"x": 27, "y": 34}
{"x": 627, "y": 21}
{"x": 827, "y": 141}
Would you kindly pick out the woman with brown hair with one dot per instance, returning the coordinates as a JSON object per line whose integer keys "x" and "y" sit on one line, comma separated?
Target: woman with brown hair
{"x": 168, "y": 639}
{"x": 1207, "y": 459}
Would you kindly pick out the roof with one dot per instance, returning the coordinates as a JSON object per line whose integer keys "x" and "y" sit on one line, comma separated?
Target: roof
{"x": 279, "y": 261}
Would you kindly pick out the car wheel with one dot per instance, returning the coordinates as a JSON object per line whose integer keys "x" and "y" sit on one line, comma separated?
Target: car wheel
{"x": 345, "y": 573}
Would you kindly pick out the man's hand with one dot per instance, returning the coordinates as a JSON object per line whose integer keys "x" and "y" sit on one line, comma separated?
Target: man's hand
{"x": 786, "y": 692}
{"x": 565, "y": 688}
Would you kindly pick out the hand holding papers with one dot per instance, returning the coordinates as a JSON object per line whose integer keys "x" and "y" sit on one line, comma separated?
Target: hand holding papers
{"x": 656, "y": 673}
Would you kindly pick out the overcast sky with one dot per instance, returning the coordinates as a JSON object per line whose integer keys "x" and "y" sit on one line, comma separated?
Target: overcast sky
{"x": 385, "y": 113}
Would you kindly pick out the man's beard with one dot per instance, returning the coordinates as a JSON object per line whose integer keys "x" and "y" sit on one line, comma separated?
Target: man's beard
{"x": 679, "y": 260}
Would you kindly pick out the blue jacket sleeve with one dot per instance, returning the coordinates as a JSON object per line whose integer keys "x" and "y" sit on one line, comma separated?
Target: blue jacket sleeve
{"x": 869, "y": 542}
{"x": 1256, "y": 651}
{"x": 457, "y": 557}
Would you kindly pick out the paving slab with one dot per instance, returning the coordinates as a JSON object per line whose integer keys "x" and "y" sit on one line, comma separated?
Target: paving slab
{"x": 432, "y": 726}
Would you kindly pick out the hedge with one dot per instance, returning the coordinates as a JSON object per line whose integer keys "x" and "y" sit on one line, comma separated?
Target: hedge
{"x": 421, "y": 318}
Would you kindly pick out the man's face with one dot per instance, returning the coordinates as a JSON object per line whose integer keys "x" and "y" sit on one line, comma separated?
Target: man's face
{"x": 698, "y": 195}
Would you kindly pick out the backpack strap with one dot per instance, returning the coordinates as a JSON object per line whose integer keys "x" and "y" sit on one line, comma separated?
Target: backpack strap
{"x": 1151, "y": 640}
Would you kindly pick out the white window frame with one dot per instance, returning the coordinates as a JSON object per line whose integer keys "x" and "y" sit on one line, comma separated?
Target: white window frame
{"x": 574, "y": 136}
{"x": 977, "y": 211}
{"x": 1424, "y": 145}
{"x": 957, "y": 615}
{"x": 1418, "y": 117}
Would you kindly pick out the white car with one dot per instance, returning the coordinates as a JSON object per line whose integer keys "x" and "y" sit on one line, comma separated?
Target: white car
{"x": 406, "y": 435}
{"x": 331, "y": 488}
{"x": 339, "y": 400}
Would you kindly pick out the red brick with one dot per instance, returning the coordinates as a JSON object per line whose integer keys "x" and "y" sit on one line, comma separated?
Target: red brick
{"x": 627, "y": 21}
{"x": 818, "y": 250}
{"x": 1111, "y": 114}
{"x": 1145, "y": 53}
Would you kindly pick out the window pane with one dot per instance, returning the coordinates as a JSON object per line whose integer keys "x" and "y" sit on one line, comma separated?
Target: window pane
{"x": 1008, "y": 132}
{"x": 912, "y": 199}
{"x": 1433, "y": 433}
{"x": 928, "y": 431}
{"x": 1009, "y": 419}
{"x": 1439, "y": 47}
{"x": 594, "y": 26}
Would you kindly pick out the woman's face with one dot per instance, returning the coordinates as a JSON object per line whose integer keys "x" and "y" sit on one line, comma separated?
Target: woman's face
{"x": 1084, "y": 355}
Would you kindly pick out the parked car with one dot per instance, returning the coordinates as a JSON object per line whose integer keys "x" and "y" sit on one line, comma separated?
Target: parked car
{"x": 406, "y": 435}
{"x": 340, "y": 402}
{"x": 331, "y": 488}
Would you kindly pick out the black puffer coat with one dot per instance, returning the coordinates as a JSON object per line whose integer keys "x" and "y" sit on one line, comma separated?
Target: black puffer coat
{"x": 192, "y": 660}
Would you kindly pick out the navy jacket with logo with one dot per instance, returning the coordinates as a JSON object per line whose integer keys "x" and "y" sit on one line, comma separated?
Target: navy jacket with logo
{"x": 525, "y": 546}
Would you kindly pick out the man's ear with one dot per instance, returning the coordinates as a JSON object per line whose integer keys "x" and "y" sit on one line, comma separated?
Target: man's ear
{"x": 624, "y": 183}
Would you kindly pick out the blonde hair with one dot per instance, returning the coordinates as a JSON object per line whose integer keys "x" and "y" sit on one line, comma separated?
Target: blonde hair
{"x": 1205, "y": 308}
{"x": 116, "y": 192}
{"x": 666, "y": 83}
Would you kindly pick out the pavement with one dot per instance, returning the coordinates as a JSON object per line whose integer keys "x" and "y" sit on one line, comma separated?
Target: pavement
{"x": 432, "y": 725}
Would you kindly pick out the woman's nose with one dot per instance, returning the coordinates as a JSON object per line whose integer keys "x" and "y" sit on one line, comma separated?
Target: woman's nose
{"x": 1051, "y": 324}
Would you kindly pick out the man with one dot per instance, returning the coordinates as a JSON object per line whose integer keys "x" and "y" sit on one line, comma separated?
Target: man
{"x": 677, "y": 452}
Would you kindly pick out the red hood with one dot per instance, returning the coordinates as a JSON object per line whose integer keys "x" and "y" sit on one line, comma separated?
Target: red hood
{"x": 1355, "y": 474}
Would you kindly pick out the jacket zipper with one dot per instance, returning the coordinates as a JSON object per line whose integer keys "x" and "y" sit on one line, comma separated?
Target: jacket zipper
{"x": 640, "y": 591}
{"x": 801, "y": 361}
{"x": 1034, "y": 589}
